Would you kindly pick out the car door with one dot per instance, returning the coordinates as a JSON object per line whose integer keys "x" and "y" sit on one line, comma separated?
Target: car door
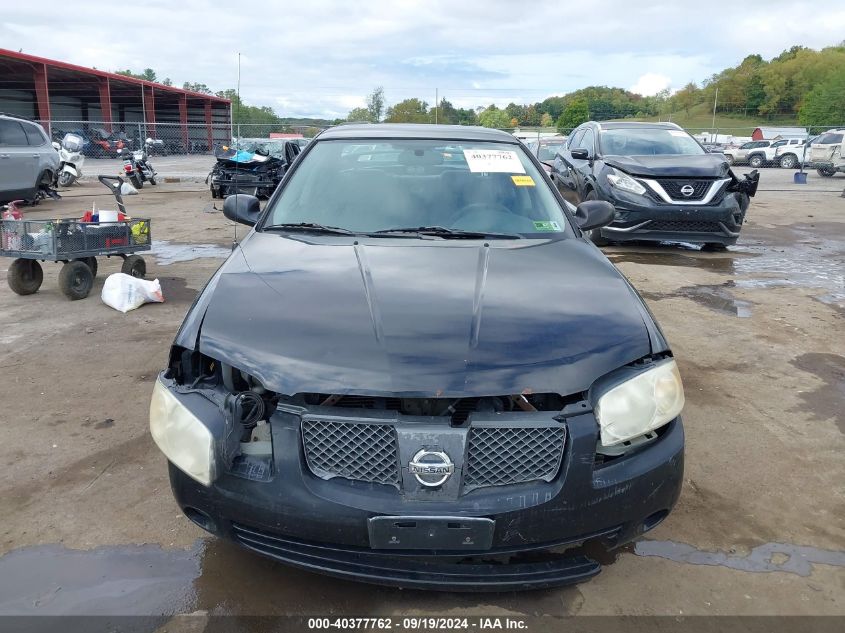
{"x": 563, "y": 171}
{"x": 18, "y": 162}
{"x": 584, "y": 167}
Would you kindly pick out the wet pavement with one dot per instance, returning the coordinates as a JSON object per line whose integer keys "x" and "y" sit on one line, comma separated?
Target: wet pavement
{"x": 167, "y": 253}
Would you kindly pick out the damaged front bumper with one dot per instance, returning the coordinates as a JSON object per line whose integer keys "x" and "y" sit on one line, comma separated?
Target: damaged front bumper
{"x": 478, "y": 531}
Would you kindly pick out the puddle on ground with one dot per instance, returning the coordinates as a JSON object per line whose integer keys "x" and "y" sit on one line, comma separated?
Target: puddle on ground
{"x": 167, "y": 253}
{"x": 219, "y": 578}
{"x": 717, "y": 298}
{"x": 719, "y": 264}
{"x": 792, "y": 559}
{"x": 826, "y": 402}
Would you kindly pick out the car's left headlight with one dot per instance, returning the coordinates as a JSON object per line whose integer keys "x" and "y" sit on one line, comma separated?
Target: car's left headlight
{"x": 641, "y": 404}
{"x": 181, "y": 436}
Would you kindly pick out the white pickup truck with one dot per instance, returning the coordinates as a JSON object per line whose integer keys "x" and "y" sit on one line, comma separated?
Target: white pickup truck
{"x": 786, "y": 148}
{"x": 827, "y": 153}
{"x": 739, "y": 155}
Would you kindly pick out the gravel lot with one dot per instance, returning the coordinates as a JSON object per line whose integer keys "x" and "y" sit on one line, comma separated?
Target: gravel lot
{"x": 89, "y": 524}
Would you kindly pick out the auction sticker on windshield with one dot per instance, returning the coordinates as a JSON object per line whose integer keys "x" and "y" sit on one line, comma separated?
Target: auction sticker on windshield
{"x": 493, "y": 161}
{"x": 546, "y": 225}
{"x": 523, "y": 181}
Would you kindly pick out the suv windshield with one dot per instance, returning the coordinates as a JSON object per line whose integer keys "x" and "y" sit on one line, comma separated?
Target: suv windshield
{"x": 647, "y": 141}
{"x": 828, "y": 138}
{"x": 367, "y": 187}
{"x": 548, "y": 151}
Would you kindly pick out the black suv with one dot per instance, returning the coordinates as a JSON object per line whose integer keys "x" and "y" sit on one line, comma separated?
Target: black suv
{"x": 663, "y": 184}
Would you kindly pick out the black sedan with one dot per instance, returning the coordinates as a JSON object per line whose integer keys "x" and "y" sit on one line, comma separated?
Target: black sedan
{"x": 662, "y": 183}
{"x": 416, "y": 370}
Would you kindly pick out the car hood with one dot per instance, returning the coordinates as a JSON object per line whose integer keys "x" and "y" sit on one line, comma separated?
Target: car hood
{"x": 691, "y": 166}
{"x": 419, "y": 318}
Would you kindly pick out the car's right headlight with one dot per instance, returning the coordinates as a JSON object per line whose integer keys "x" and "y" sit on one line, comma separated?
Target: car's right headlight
{"x": 625, "y": 183}
{"x": 181, "y": 436}
{"x": 641, "y": 404}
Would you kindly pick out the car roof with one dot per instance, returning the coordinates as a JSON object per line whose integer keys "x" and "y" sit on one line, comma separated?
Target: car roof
{"x": 621, "y": 125}
{"x": 417, "y": 131}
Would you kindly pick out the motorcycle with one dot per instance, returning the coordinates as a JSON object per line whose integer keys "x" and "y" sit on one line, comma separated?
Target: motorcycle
{"x": 137, "y": 167}
{"x": 70, "y": 159}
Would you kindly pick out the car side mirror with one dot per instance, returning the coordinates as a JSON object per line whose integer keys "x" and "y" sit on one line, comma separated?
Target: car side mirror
{"x": 56, "y": 146}
{"x": 242, "y": 208}
{"x": 580, "y": 154}
{"x": 592, "y": 214}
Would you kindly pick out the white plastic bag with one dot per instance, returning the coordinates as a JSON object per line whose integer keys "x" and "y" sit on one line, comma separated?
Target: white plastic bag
{"x": 124, "y": 292}
{"x": 127, "y": 189}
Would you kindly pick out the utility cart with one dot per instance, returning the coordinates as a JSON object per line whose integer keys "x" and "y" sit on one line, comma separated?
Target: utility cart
{"x": 75, "y": 242}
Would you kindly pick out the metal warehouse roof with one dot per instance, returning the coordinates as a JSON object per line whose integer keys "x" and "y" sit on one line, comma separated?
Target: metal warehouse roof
{"x": 784, "y": 132}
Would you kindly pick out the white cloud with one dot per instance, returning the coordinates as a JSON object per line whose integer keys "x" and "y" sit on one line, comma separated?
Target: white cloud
{"x": 650, "y": 84}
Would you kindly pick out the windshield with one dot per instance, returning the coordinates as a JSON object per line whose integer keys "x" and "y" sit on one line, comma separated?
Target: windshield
{"x": 648, "y": 141}
{"x": 548, "y": 151}
{"x": 463, "y": 186}
{"x": 829, "y": 138}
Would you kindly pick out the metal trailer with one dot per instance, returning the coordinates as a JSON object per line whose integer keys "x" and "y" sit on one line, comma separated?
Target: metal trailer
{"x": 75, "y": 243}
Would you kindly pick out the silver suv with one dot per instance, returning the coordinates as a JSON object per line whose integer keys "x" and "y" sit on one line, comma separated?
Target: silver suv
{"x": 28, "y": 161}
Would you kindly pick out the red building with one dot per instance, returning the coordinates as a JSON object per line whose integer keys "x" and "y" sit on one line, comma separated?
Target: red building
{"x": 52, "y": 91}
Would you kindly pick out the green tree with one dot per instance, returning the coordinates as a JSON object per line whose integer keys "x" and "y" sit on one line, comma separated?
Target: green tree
{"x": 166, "y": 82}
{"x": 576, "y": 113}
{"x": 824, "y": 105}
{"x": 359, "y": 114}
{"x": 494, "y": 117}
{"x": 196, "y": 87}
{"x": 375, "y": 104}
{"x": 546, "y": 120}
{"x": 408, "y": 111}
{"x": 687, "y": 97}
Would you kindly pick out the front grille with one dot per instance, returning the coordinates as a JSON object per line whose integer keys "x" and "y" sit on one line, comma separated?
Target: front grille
{"x": 357, "y": 451}
{"x": 499, "y": 456}
{"x": 679, "y": 226}
{"x": 673, "y": 188}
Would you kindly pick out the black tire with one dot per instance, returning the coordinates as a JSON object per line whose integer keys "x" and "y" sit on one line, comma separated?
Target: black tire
{"x": 788, "y": 161}
{"x": 76, "y": 280}
{"x": 153, "y": 181}
{"x": 595, "y": 234}
{"x": 136, "y": 182}
{"x": 66, "y": 179}
{"x": 134, "y": 265}
{"x": 25, "y": 276}
{"x": 91, "y": 262}
{"x": 730, "y": 159}
{"x": 756, "y": 161}
{"x": 714, "y": 247}
{"x": 825, "y": 172}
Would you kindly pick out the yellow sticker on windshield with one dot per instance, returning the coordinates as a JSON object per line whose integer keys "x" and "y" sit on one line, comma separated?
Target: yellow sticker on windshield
{"x": 523, "y": 181}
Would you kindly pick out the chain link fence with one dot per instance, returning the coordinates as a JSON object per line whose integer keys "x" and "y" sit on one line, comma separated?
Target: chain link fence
{"x": 103, "y": 140}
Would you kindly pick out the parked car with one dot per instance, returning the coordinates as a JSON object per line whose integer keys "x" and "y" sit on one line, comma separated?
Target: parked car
{"x": 28, "y": 161}
{"x": 768, "y": 156}
{"x": 791, "y": 154}
{"x": 739, "y": 155}
{"x": 545, "y": 149}
{"x": 662, "y": 183}
{"x": 416, "y": 368}
{"x": 826, "y": 153}
{"x": 251, "y": 166}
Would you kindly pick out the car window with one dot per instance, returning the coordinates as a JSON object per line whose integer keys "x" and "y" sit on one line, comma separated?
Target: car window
{"x": 647, "y": 142}
{"x": 778, "y": 144}
{"x": 747, "y": 146}
{"x": 588, "y": 142}
{"x": 467, "y": 185}
{"x": 34, "y": 135}
{"x": 548, "y": 151}
{"x": 12, "y": 134}
{"x": 829, "y": 138}
{"x": 576, "y": 138}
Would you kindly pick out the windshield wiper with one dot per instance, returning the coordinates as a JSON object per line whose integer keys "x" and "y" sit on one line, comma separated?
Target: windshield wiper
{"x": 309, "y": 226}
{"x": 447, "y": 233}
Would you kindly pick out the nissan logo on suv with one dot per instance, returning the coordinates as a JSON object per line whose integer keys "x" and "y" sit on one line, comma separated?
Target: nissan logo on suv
{"x": 687, "y": 190}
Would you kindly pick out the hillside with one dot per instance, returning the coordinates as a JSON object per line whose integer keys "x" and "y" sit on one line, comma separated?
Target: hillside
{"x": 700, "y": 119}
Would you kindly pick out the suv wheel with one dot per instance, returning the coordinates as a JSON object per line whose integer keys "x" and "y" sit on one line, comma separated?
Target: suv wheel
{"x": 827, "y": 172}
{"x": 730, "y": 159}
{"x": 788, "y": 161}
{"x": 756, "y": 161}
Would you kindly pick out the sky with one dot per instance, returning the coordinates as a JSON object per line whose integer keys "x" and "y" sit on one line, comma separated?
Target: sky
{"x": 321, "y": 58}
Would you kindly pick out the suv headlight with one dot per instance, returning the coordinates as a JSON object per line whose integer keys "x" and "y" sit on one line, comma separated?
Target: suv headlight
{"x": 183, "y": 439}
{"x": 642, "y": 403}
{"x": 625, "y": 183}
